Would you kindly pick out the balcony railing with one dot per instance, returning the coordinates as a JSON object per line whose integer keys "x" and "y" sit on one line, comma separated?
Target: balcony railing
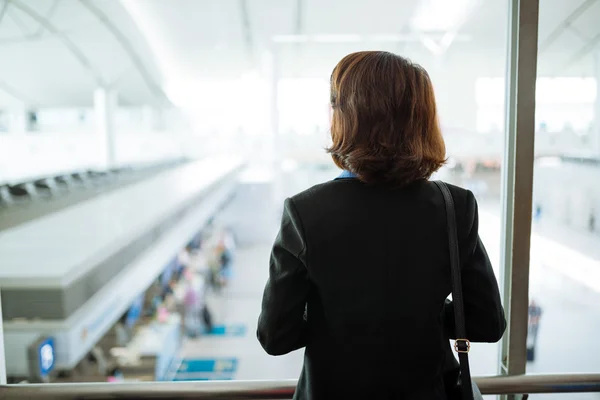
{"x": 236, "y": 390}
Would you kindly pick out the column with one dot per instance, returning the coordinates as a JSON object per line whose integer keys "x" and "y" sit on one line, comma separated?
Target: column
{"x": 17, "y": 118}
{"x": 159, "y": 119}
{"x": 105, "y": 106}
{"x": 270, "y": 72}
{"x": 153, "y": 119}
{"x": 447, "y": 83}
{"x": 595, "y": 131}
{"x": 2, "y": 354}
{"x": 517, "y": 188}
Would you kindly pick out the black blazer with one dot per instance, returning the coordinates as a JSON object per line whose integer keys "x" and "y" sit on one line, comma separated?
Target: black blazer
{"x": 359, "y": 276}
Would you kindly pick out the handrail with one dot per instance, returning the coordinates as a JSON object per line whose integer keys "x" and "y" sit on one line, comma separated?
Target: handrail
{"x": 283, "y": 389}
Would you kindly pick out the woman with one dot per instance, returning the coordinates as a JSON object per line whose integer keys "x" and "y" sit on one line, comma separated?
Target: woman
{"x": 360, "y": 271}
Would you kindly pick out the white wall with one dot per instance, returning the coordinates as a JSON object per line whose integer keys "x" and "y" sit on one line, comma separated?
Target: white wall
{"x": 568, "y": 194}
{"x": 34, "y": 155}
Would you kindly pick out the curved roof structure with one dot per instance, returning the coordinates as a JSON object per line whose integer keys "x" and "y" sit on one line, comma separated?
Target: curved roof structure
{"x": 56, "y": 52}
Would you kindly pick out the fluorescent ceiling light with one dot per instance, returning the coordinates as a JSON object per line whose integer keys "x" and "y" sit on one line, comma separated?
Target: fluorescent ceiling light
{"x": 337, "y": 38}
{"x": 444, "y": 39}
{"x": 441, "y": 15}
{"x": 290, "y": 38}
{"x": 447, "y": 39}
{"x": 432, "y": 45}
{"x": 393, "y": 38}
{"x": 321, "y": 38}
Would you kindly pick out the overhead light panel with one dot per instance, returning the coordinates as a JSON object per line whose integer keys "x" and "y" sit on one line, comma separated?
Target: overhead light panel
{"x": 441, "y": 15}
{"x": 337, "y": 38}
{"x": 444, "y": 38}
{"x": 432, "y": 45}
{"x": 320, "y": 38}
{"x": 290, "y": 38}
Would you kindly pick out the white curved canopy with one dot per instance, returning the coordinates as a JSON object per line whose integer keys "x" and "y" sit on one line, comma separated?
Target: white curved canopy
{"x": 56, "y": 52}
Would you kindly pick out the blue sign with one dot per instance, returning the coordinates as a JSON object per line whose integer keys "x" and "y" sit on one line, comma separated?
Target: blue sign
{"x": 221, "y": 365}
{"x": 201, "y": 376}
{"x": 207, "y": 369}
{"x": 46, "y": 356}
{"x": 236, "y": 330}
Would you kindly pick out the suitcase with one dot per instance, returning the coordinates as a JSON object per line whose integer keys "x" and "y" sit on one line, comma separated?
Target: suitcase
{"x": 530, "y": 354}
{"x": 207, "y": 318}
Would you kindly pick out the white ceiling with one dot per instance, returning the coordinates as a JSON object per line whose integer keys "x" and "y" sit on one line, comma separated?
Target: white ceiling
{"x": 210, "y": 38}
{"x": 56, "y": 52}
{"x": 178, "y": 40}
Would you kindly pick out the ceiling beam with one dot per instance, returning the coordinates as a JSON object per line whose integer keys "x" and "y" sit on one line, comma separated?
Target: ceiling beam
{"x": 17, "y": 94}
{"x": 154, "y": 87}
{"x": 3, "y": 10}
{"x": 247, "y": 29}
{"x": 299, "y": 17}
{"x": 19, "y": 22}
{"x": 27, "y": 36}
{"x": 75, "y": 51}
{"x": 563, "y": 26}
{"x": 590, "y": 46}
{"x": 47, "y": 17}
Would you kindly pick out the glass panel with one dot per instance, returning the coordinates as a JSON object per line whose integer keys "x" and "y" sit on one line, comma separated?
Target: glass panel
{"x": 180, "y": 84}
{"x": 470, "y": 95}
{"x": 564, "y": 317}
{"x": 469, "y": 81}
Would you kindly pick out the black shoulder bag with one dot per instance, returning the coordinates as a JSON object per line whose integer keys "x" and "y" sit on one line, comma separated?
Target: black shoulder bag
{"x": 469, "y": 389}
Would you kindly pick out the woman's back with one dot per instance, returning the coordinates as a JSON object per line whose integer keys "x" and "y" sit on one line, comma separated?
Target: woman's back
{"x": 359, "y": 273}
{"x": 378, "y": 274}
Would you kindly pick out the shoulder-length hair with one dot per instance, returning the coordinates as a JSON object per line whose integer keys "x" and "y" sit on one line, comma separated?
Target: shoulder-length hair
{"x": 384, "y": 126}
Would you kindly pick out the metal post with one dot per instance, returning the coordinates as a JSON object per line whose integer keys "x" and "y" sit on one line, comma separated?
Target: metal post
{"x": 17, "y": 119}
{"x": 595, "y": 134}
{"x": 2, "y": 354}
{"x": 105, "y": 106}
{"x": 517, "y": 188}
{"x": 271, "y": 71}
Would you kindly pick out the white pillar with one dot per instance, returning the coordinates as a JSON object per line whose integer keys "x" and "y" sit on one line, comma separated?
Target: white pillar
{"x": 270, "y": 72}
{"x": 447, "y": 83}
{"x": 153, "y": 119}
{"x": 17, "y": 119}
{"x": 595, "y": 131}
{"x": 2, "y": 354}
{"x": 159, "y": 119}
{"x": 105, "y": 106}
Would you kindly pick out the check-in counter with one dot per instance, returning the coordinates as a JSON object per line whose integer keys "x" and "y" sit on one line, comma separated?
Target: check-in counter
{"x": 73, "y": 274}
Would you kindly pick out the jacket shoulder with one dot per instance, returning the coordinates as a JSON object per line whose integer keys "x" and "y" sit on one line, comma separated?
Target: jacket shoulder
{"x": 460, "y": 194}
{"x": 465, "y": 204}
{"x": 316, "y": 192}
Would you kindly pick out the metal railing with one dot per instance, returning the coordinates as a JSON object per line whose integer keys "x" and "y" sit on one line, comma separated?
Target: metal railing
{"x": 236, "y": 390}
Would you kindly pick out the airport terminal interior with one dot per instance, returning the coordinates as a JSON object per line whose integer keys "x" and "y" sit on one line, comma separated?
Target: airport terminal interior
{"x": 147, "y": 148}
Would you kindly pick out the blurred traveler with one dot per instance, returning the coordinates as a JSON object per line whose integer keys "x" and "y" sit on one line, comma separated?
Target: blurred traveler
{"x": 122, "y": 333}
{"x": 184, "y": 260}
{"x": 191, "y": 302}
{"x": 537, "y": 215}
{"x": 360, "y": 270}
{"x": 535, "y": 314}
{"x": 226, "y": 261}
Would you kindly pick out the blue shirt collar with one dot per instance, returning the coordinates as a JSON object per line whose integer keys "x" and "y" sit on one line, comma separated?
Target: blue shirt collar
{"x": 346, "y": 175}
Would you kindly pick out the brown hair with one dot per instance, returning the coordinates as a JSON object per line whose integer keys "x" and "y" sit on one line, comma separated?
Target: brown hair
{"x": 384, "y": 126}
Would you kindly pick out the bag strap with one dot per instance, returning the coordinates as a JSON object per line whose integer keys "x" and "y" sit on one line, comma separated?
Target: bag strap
{"x": 462, "y": 344}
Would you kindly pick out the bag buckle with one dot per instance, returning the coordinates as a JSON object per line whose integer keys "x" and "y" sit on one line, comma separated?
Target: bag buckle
{"x": 462, "y": 345}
